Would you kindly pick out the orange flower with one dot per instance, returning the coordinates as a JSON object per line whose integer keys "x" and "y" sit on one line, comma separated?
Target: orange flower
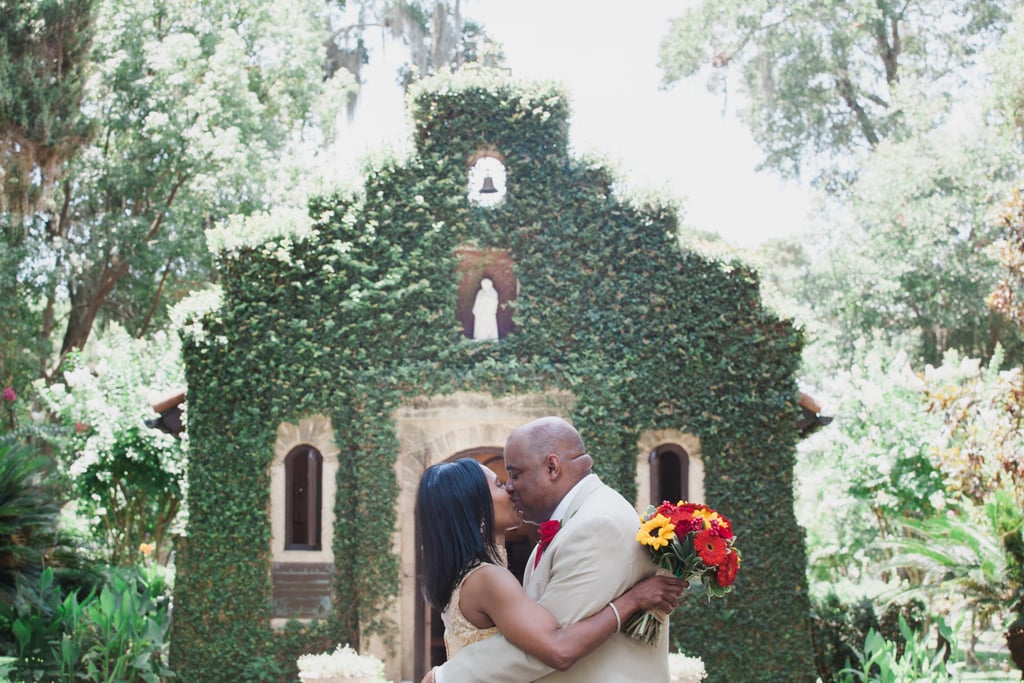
{"x": 710, "y": 547}
{"x": 726, "y": 573}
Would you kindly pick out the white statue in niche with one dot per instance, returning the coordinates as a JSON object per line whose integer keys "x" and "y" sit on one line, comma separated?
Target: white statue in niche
{"x": 485, "y": 312}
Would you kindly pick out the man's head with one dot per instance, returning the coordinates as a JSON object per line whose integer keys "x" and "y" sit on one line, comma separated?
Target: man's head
{"x": 544, "y": 459}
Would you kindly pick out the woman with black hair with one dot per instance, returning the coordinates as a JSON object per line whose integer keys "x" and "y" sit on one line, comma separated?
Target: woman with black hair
{"x": 462, "y": 514}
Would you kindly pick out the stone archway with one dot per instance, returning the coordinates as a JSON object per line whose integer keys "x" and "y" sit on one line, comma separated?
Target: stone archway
{"x": 431, "y": 430}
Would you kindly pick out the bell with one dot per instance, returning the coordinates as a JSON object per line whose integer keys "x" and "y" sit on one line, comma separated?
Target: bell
{"x": 488, "y": 187}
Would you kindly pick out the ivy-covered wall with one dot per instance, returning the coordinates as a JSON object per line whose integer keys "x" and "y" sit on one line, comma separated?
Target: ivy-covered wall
{"x": 358, "y": 313}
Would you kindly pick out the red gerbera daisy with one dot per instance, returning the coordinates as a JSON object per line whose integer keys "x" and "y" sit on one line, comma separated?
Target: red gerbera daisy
{"x": 726, "y": 573}
{"x": 710, "y": 547}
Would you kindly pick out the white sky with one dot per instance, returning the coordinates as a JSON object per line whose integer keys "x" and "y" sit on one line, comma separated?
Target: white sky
{"x": 604, "y": 52}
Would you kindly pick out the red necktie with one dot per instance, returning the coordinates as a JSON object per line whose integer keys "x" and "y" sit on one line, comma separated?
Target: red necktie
{"x": 547, "y": 531}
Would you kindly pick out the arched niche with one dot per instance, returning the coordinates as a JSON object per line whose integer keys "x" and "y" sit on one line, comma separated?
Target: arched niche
{"x": 662, "y": 454}
{"x": 473, "y": 265}
{"x": 487, "y": 178}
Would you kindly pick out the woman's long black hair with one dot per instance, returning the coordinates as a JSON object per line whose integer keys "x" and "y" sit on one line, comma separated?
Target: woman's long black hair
{"x": 455, "y": 526}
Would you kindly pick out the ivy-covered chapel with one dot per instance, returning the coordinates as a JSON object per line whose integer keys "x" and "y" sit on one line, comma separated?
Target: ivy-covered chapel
{"x": 486, "y": 279}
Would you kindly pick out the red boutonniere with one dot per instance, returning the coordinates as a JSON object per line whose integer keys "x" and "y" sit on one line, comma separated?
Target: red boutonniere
{"x": 547, "y": 531}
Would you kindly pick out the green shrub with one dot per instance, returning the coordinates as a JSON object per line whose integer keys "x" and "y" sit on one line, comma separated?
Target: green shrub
{"x": 37, "y": 621}
{"x": 121, "y": 636}
{"x": 29, "y": 514}
{"x": 887, "y": 661}
{"x": 115, "y": 635}
{"x": 837, "y": 630}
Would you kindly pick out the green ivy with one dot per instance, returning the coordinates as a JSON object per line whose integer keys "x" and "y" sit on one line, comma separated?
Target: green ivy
{"x": 359, "y": 314}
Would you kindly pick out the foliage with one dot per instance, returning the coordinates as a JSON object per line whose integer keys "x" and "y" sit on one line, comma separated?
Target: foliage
{"x": 122, "y": 633}
{"x": 434, "y": 34}
{"x": 200, "y": 111}
{"x": 869, "y": 469}
{"x": 115, "y": 636}
{"x": 958, "y": 555}
{"x": 128, "y": 479}
{"x": 973, "y": 558}
{"x": 359, "y": 315}
{"x": 1008, "y": 75}
{"x": 30, "y": 538}
{"x": 979, "y": 446}
{"x": 35, "y": 621}
{"x": 44, "y": 47}
{"x": 883, "y": 661}
{"x": 823, "y": 80}
{"x": 840, "y": 626}
{"x": 912, "y": 262}
{"x": 1007, "y": 297}
{"x": 837, "y": 629}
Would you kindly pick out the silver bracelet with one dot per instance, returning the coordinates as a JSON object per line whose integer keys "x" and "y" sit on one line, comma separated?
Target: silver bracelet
{"x": 618, "y": 619}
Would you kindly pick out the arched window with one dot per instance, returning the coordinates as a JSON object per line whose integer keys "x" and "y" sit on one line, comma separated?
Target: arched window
{"x": 303, "y": 487}
{"x": 670, "y": 474}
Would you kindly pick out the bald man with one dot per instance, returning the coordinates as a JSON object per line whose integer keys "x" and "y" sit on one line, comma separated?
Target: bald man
{"x": 593, "y": 558}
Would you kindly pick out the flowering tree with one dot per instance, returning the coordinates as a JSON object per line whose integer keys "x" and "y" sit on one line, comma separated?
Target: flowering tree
{"x": 870, "y": 469}
{"x": 129, "y": 479}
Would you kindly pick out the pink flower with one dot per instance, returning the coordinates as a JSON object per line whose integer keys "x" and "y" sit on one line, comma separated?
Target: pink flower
{"x": 9, "y": 394}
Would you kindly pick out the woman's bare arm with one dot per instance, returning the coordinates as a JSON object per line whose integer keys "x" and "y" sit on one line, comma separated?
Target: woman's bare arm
{"x": 493, "y": 596}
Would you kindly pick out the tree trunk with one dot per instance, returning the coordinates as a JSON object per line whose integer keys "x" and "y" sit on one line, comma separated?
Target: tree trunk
{"x": 85, "y": 306}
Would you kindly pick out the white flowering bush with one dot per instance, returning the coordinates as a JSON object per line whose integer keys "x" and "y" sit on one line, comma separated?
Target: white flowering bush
{"x": 128, "y": 479}
{"x": 872, "y": 467}
{"x": 343, "y": 663}
{"x": 685, "y": 669}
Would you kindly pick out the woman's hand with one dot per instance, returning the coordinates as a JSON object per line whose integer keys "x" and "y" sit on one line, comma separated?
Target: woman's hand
{"x": 429, "y": 678}
{"x": 657, "y": 593}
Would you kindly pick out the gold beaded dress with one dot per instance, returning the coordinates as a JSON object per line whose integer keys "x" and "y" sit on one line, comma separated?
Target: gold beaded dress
{"x": 458, "y": 631}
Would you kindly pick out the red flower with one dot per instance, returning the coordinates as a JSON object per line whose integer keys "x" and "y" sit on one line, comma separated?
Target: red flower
{"x": 681, "y": 515}
{"x": 81, "y": 427}
{"x": 710, "y": 547}
{"x": 9, "y": 394}
{"x": 547, "y": 531}
{"x": 722, "y": 527}
{"x": 726, "y": 573}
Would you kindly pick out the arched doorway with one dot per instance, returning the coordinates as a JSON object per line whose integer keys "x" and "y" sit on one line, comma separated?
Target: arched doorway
{"x": 518, "y": 543}
{"x": 670, "y": 474}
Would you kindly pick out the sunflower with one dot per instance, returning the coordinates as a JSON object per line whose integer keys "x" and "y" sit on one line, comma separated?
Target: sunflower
{"x": 656, "y": 532}
{"x": 710, "y": 547}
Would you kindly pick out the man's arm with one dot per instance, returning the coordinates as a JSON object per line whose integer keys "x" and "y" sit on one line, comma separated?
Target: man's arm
{"x": 589, "y": 567}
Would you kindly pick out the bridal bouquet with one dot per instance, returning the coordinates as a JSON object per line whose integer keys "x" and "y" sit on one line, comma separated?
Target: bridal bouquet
{"x": 690, "y": 541}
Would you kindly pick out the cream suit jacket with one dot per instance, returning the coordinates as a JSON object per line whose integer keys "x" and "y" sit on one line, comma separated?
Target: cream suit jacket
{"x": 593, "y": 559}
